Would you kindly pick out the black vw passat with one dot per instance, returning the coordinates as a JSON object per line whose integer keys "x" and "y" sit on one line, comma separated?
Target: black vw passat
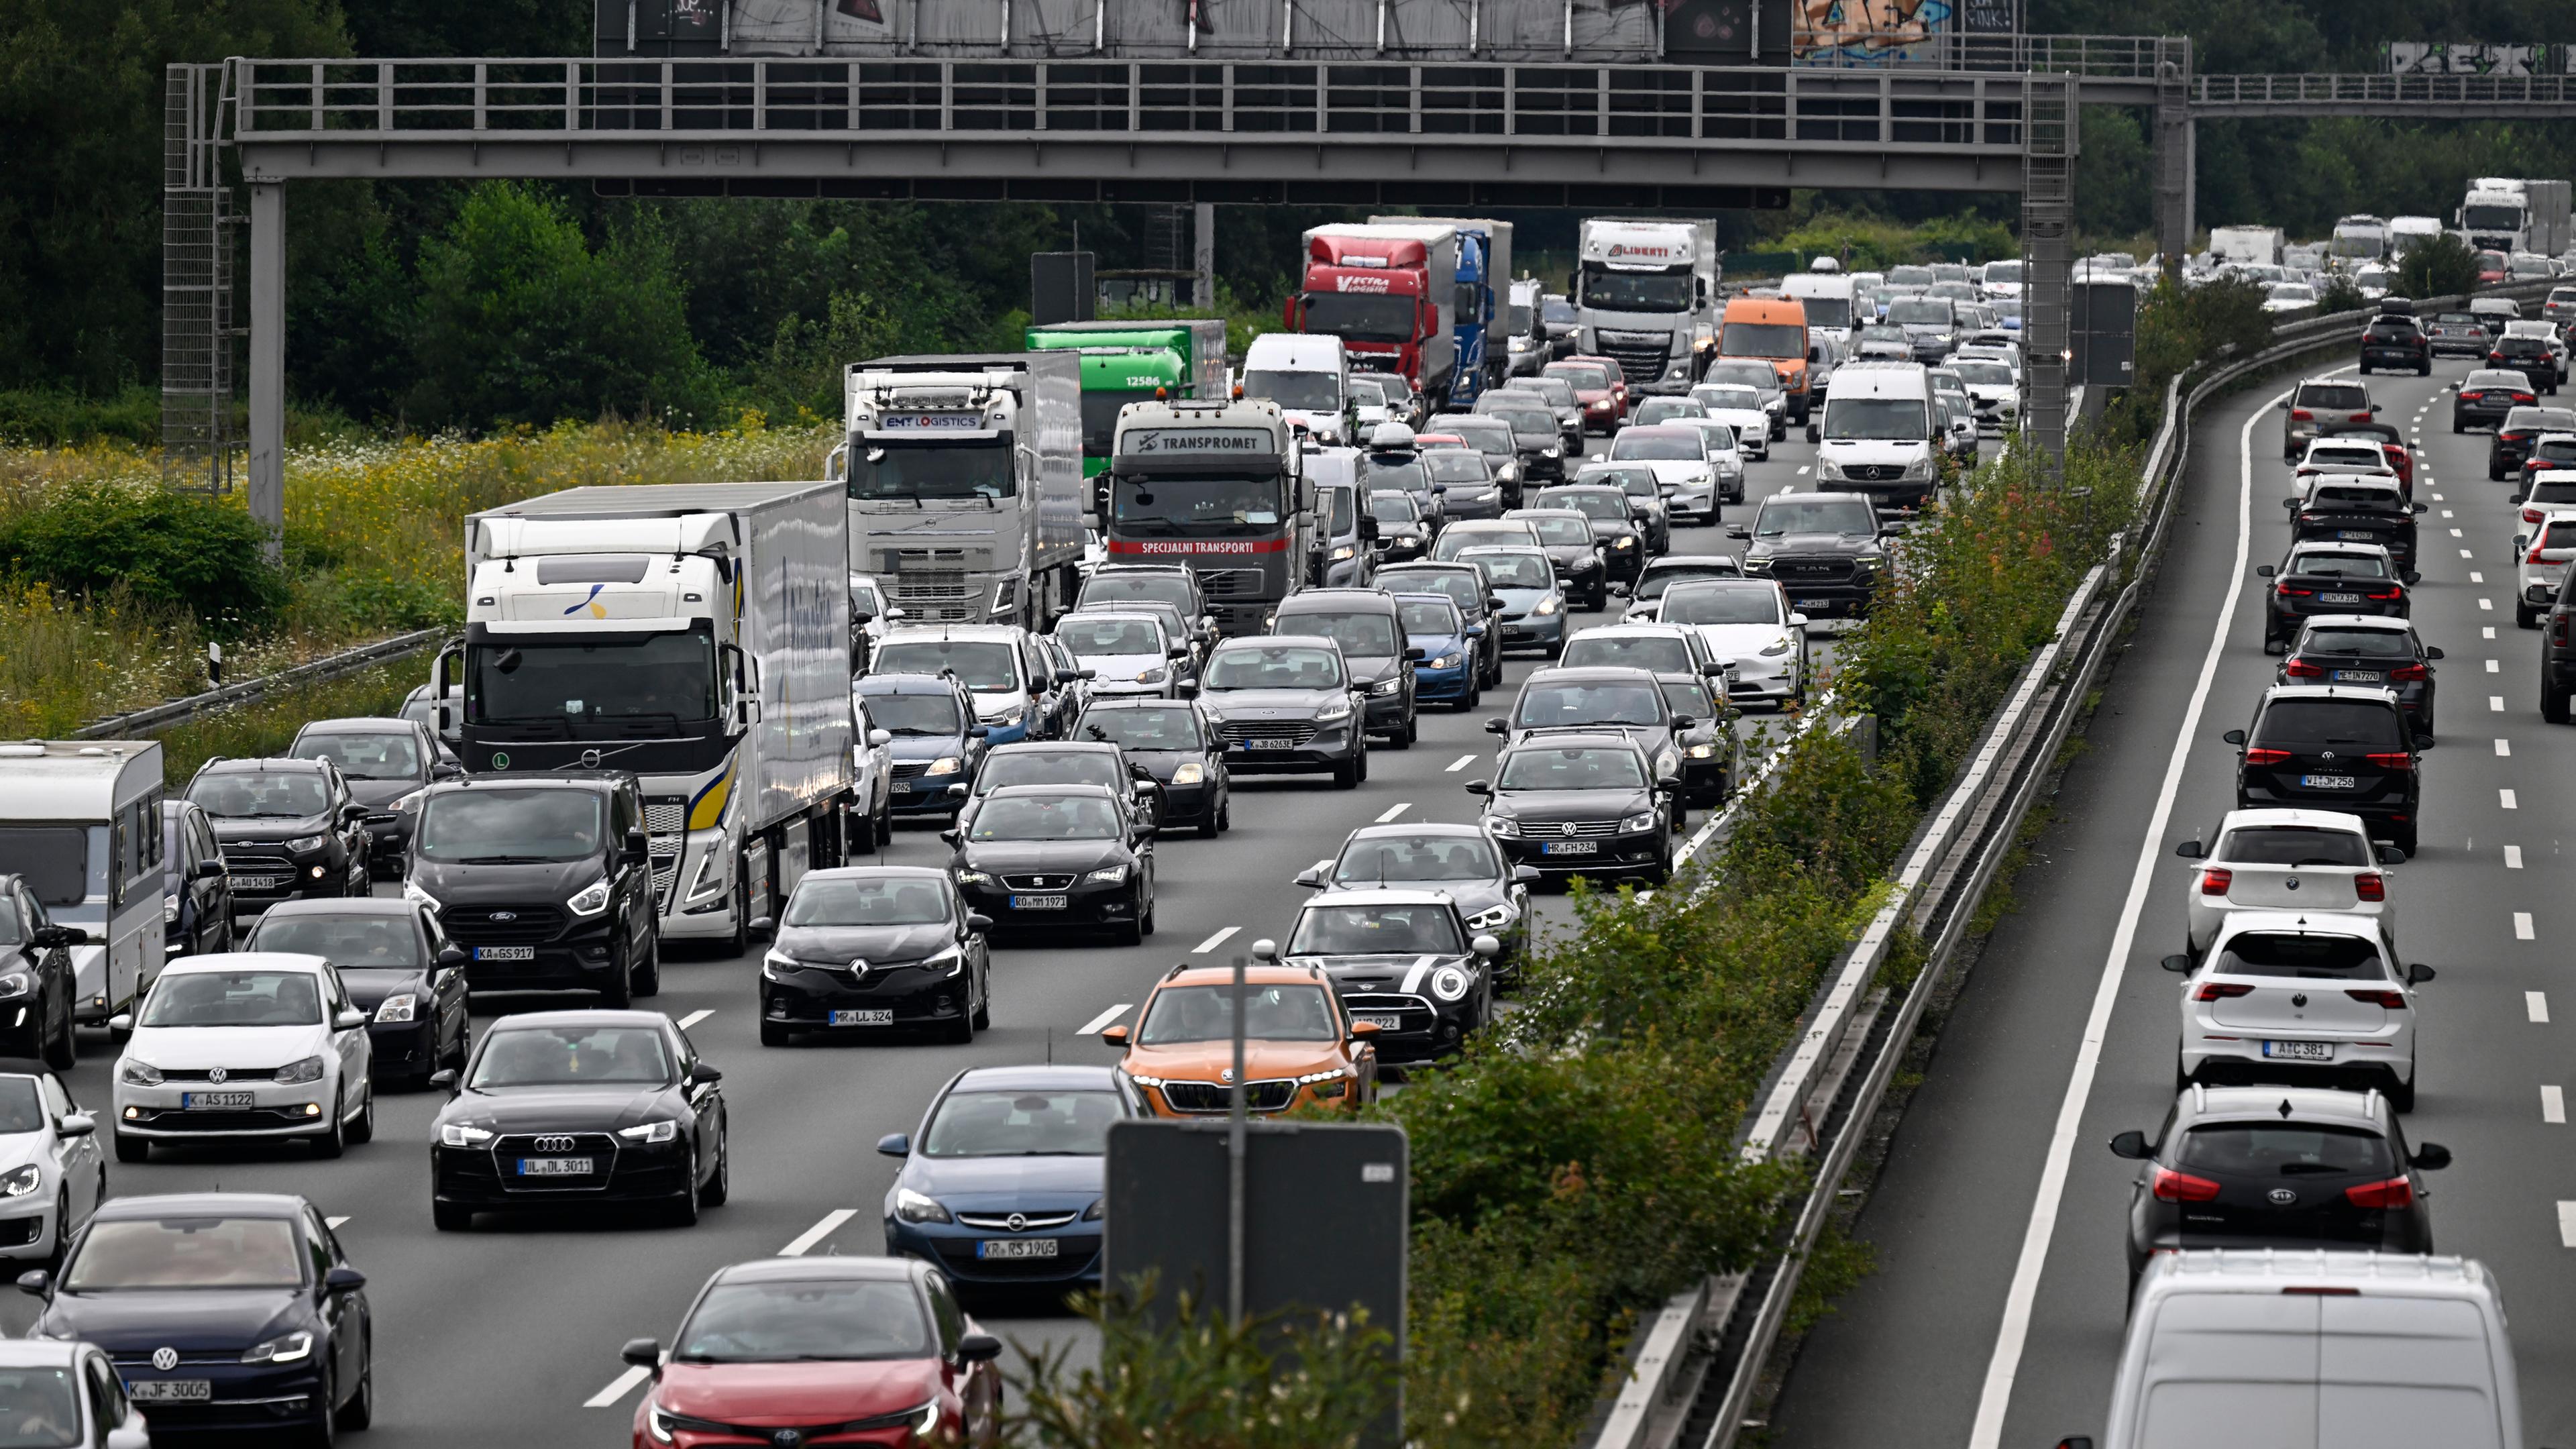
{"x": 1401, "y": 958}
{"x": 1171, "y": 739}
{"x": 222, "y": 1310}
{"x": 578, "y": 1108}
{"x": 1287, "y": 703}
{"x": 2333, "y": 747}
{"x": 872, "y": 949}
{"x": 1579, "y": 804}
{"x": 399, "y": 968}
{"x": 1058, "y": 855}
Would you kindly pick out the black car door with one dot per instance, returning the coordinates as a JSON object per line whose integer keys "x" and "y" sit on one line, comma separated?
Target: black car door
{"x": 634, "y": 883}
{"x": 215, "y": 905}
{"x": 446, "y": 987}
{"x": 343, "y": 1313}
{"x": 706, "y": 1106}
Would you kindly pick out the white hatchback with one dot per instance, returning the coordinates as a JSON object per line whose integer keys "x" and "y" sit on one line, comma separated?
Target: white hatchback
{"x": 1739, "y": 407}
{"x": 244, "y": 1045}
{"x": 1127, "y": 653}
{"x": 52, "y": 1175}
{"x": 2540, "y": 567}
{"x": 1746, "y": 623}
{"x": 2552, "y": 490}
{"x": 2284, "y": 995}
{"x": 2308, "y": 861}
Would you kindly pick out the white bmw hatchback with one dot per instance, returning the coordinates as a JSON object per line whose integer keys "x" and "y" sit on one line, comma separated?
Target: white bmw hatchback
{"x": 2284, "y": 996}
{"x": 244, "y": 1045}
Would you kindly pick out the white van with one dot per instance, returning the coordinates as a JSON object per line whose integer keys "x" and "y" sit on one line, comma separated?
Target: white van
{"x": 1309, "y": 376}
{"x": 80, "y": 822}
{"x": 1828, "y": 297}
{"x": 2314, "y": 1349}
{"x": 1880, "y": 434}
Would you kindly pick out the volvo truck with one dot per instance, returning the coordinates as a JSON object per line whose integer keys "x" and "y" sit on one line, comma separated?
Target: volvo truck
{"x": 1387, "y": 292}
{"x": 693, "y": 635}
{"x": 1220, "y": 486}
{"x": 1124, "y": 362}
{"x": 2508, "y": 214}
{"x": 1483, "y": 304}
{"x": 1645, "y": 295}
{"x": 964, "y": 477}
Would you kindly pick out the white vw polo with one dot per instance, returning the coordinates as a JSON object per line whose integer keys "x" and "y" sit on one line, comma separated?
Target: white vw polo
{"x": 2288, "y": 996}
{"x": 246, "y": 1044}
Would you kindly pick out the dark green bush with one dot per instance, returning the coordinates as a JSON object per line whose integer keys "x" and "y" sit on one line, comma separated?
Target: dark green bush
{"x": 172, "y": 550}
{"x": 47, "y": 417}
{"x": 2437, "y": 266}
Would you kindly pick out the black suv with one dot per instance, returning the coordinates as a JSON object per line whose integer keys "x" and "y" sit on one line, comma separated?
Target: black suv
{"x": 2332, "y": 747}
{"x": 2530, "y": 356}
{"x": 1614, "y": 520}
{"x": 2332, "y": 578}
{"x": 1370, "y": 629}
{"x": 1466, "y": 587}
{"x": 2522, "y": 427}
{"x": 2396, "y": 343}
{"x": 1823, "y": 548}
{"x": 2558, "y": 654}
{"x": 289, "y": 829}
{"x": 2350, "y": 509}
{"x": 545, "y": 880}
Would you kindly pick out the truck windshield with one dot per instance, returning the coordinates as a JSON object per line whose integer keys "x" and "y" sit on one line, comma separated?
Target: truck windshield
{"x": 1827, "y": 311}
{"x": 1100, "y": 417}
{"x": 2491, "y": 218}
{"x": 1636, "y": 291}
{"x": 914, "y": 469}
{"x": 1211, "y": 507}
{"x": 1360, "y": 317}
{"x": 1313, "y": 392}
{"x": 1875, "y": 420}
{"x": 592, "y": 685}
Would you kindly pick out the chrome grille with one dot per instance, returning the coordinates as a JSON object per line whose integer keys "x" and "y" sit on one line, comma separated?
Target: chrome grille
{"x": 666, "y": 817}
{"x": 1568, "y": 829}
{"x": 1230, "y": 583}
{"x": 1873, "y": 472}
{"x": 1270, "y": 1096}
{"x": 1295, "y": 732}
{"x": 1054, "y": 882}
{"x": 1028, "y": 1222}
{"x": 1812, "y": 570}
{"x": 930, "y": 587}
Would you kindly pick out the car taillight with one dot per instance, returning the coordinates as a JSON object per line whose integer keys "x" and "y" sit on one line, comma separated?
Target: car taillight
{"x": 2288, "y": 591}
{"x": 2413, "y": 673}
{"x": 2171, "y": 1186}
{"x": 2495, "y": 357}
{"x": 2471, "y": 396}
{"x": 2389, "y": 1000}
{"x": 2383, "y": 595}
{"x": 2394, "y": 760}
{"x": 2536, "y": 552}
{"x": 2558, "y": 630}
{"x": 2302, "y": 669}
{"x": 2531, "y": 515}
{"x": 2215, "y": 879}
{"x": 2260, "y": 755}
{"x": 2358, "y": 418}
{"x": 2302, "y": 415}
{"x": 2221, "y": 990}
{"x": 2370, "y": 885}
{"x": 2396, "y": 1192}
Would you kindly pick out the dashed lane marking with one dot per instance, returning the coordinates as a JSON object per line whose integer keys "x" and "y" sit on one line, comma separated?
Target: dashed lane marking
{"x": 2504, "y": 798}
{"x": 1393, "y": 811}
{"x": 620, "y": 1386}
{"x": 2522, "y": 926}
{"x": 2455, "y": 533}
{"x": 694, "y": 1017}
{"x": 2486, "y": 631}
{"x": 2464, "y": 553}
{"x": 2487, "y": 604}
{"x": 2494, "y": 668}
{"x": 2567, "y": 1224}
{"x": 830, "y": 1224}
{"x": 2513, "y": 857}
{"x": 1093, "y": 1027}
{"x": 2495, "y": 703}
{"x": 2504, "y": 747}
{"x": 2535, "y": 1004}
{"x": 1212, "y": 942}
{"x": 2474, "y": 576}
{"x": 2553, "y": 1106}
{"x": 1460, "y": 763}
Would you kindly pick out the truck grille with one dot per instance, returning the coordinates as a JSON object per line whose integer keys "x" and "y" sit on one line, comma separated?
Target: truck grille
{"x": 934, "y": 560}
{"x": 1211, "y": 1097}
{"x": 1874, "y": 472}
{"x": 666, "y": 816}
{"x": 1811, "y": 570}
{"x": 1295, "y": 732}
{"x": 1641, "y": 355}
{"x": 1230, "y": 583}
{"x": 1568, "y": 829}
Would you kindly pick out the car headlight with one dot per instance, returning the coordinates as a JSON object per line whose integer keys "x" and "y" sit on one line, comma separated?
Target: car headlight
{"x": 914, "y": 1207}
{"x": 1545, "y": 607}
{"x": 1918, "y": 470}
{"x": 307, "y": 844}
{"x": 286, "y": 1349}
{"x": 1625, "y": 540}
{"x": 1501, "y": 825}
{"x": 15, "y": 983}
{"x": 1449, "y": 983}
{"x": 665, "y": 1130}
{"x": 1010, "y": 718}
{"x": 307, "y": 1069}
{"x": 1448, "y": 661}
{"x": 1490, "y": 917}
{"x": 945, "y": 765}
{"x": 1776, "y": 647}
{"x": 457, "y": 1134}
{"x": 1099, "y": 1207}
{"x": 1154, "y": 675}
{"x": 1108, "y": 875}
{"x": 1190, "y": 773}
{"x": 1391, "y": 685}
{"x": 925, "y": 1420}
{"x": 398, "y": 1007}
{"x": 135, "y": 1073}
{"x": 413, "y": 893}
{"x": 1343, "y": 552}
{"x": 1667, "y": 762}
{"x": 590, "y": 901}
{"x": 973, "y": 877}
{"x": 1703, "y": 751}
{"x": 1329, "y": 1074}
{"x": 1339, "y": 709}
{"x": 658, "y": 1424}
{"x": 1636, "y": 823}
{"x": 169, "y": 910}
{"x": 1551, "y": 452}
{"x": 1828, "y": 471}
{"x": 1753, "y": 565}
{"x": 1871, "y": 560}
{"x": 20, "y": 1181}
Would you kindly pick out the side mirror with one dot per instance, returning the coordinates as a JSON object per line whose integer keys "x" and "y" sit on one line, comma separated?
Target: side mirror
{"x": 1472, "y": 631}
{"x": 35, "y": 1284}
{"x": 2132, "y": 1145}
{"x": 2408, "y": 577}
{"x": 2082, "y": 1441}
{"x": 1486, "y": 946}
{"x": 1480, "y": 787}
{"x": 1493, "y": 605}
{"x": 978, "y": 1348}
{"x": 2234, "y": 737}
{"x": 76, "y": 1124}
{"x": 2289, "y": 503}
{"x": 639, "y": 848}
{"x": 2418, "y": 973}
{"x": 343, "y": 1280}
{"x": 978, "y": 921}
{"x": 2432, "y": 651}
{"x": 1498, "y": 726}
{"x": 2264, "y": 571}
{"x": 1115, "y": 1035}
{"x": 443, "y": 1077}
{"x": 2178, "y": 964}
{"x": 1177, "y": 651}
{"x": 349, "y": 1020}
{"x": 762, "y": 925}
{"x": 1312, "y": 877}
{"x": 1738, "y": 531}
{"x": 1685, "y": 721}
{"x": 1363, "y": 1030}
{"x": 2424, "y": 742}
{"x": 643, "y": 1353}
{"x": 1415, "y": 653}
{"x": 2285, "y": 407}
{"x": 1086, "y": 674}
{"x": 948, "y": 837}
{"x": 2391, "y": 855}
{"x": 2191, "y": 850}
{"x": 895, "y": 1144}
{"x": 877, "y": 739}
{"x": 1815, "y": 433}
{"x": 977, "y": 732}
{"x": 208, "y": 869}
{"x": 122, "y": 1021}
{"x": 352, "y": 813}
{"x": 2430, "y": 1157}
{"x": 1797, "y": 621}
{"x": 2423, "y": 507}
{"x": 705, "y": 1074}
{"x": 1527, "y": 875}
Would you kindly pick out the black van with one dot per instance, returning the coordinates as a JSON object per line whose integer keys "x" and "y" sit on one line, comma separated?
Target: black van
{"x": 545, "y": 880}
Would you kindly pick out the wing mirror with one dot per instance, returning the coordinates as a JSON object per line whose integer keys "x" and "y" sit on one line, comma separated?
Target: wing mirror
{"x": 2289, "y": 503}
{"x": 349, "y": 1020}
{"x": 878, "y": 739}
{"x": 2432, "y": 651}
{"x": 978, "y": 1348}
{"x": 2408, "y": 577}
{"x": 894, "y": 1144}
{"x": 1115, "y": 1035}
{"x": 36, "y": 1284}
{"x": 2234, "y": 737}
{"x": 2178, "y": 964}
{"x": 2418, "y": 973}
{"x": 2132, "y": 1145}
{"x": 639, "y": 848}
{"x": 1797, "y": 621}
{"x": 643, "y": 1353}
{"x": 76, "y": 1124}
{"x": 2430, "y": 1157}
{"x": 2423, "y": 507}
{"x": 1685, "y": 721}
{"x": 444, "y": 1077}
{"x": 1486, "y": 946}
{"x": 450, "y": 957}
{"x": 1480, "y": 787}
{"x": 1738, "y": 531}
{"x": 977, "y": 732}
{"x": 977, "y": 921}
{"x": 1364, "y": 1030}
{"x": 1415, "y": 653}
{"x": 705, "y": 1074}
{"x": 2190, "y": 850}
{"x": 948, "y": 837}
{"x": 1498, "y": 726}
{"x": 762, "y": 925}
{"x": 2264, "y": 571}
{"x": 1312, "y": 877}
{"x": 343, "y": 1280}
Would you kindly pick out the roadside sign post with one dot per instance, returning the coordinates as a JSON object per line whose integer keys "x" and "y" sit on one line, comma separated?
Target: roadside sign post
{"x": 1235, "y": 1148}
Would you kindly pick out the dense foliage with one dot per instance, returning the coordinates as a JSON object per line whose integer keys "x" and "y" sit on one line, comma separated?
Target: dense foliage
{"x": 155, "y": 547}
{"x": 2441, "y": 266}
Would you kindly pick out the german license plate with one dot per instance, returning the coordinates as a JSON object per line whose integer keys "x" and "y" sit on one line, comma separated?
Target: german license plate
{"x": 2338, "y": 598}
{"x": 2325, "y": 782}
{"x": 1382, "y": 1020}
{"x": 1570, "y": 847}
{"x": 214, "y": 1101}
{"x": 258, "y": 882}
{"x": 170, "y": 1391}
{"x": 901, "y": 787}
{"x": 1037, "y": 903}
{"x": 1810, "y": 606}
{"x": 878, "y": 1016}
{"x": 505, "y": 953}
{"x": 2357, "y": 535}
{"x": 1270, "y": 744}
{"x": 554, "y": 1166}
{"x": 2357, "y": 676}
{"x": 2300, "y": 1051}
{"x": 1018, "y": 1248}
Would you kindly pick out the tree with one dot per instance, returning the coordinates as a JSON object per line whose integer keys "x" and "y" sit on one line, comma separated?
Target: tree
{"x": 2437, "y": 266}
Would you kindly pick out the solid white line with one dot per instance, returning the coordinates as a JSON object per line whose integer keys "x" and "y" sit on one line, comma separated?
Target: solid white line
{"x": 334, "y": 1223}
{"x": 830, "y": 1224}
{"x": 2522, "y": 926}
{"x": 2495, "y": 702}
{"x": 1093, "y": 1026}
{"x": 2535, "y": 1004}
{"x": 2513, "y": 857}
{"x": 2567, "y": 1224}
{"x": 618, "y": 1388}
{"x": 2505, "y": 798}
{"x": 1393, "y": 811}
{"x": 1212, "y": 942}
{"x": 2005, "y": 1365}
{"x": 694, "y": 1017}
{"x": 2553, "y": 1106}
{"x": 1460, "y": 763}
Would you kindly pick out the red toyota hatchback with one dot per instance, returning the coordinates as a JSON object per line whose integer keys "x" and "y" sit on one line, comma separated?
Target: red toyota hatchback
{"x": 821, "y": 1351}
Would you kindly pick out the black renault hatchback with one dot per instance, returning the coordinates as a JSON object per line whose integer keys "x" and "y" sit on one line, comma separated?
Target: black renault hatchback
{"x": 2332, "y": 747}
{"x": 866, "y": 951}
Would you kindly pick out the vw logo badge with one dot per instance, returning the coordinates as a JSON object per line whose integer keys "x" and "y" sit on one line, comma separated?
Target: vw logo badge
{"x": 500, "y": 760}
{"x": 787, "y": 1438}
{"x": 2299, "y": 1000}
{"x": 165, "y": 1359}
{"x": 217, "y": 1075}
{"x": 1225, "y": 1074}
{"x": 505, "y": 915}
{"x": 1016, "y": 1222}
{"x": 554, "y": 1144}
{"x": 2282, "y": 1197}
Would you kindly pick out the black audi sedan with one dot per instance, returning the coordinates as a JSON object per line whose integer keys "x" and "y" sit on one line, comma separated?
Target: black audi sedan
{"x": 578, "y": 1108}
{"x": 1065, "y": 762}
{"x": 288, "y": 829}
{"x": 870, "y": 950}
{"x": 1580, "y": 804}
{"x": 223, "y": 1311}
{"x": 1172, "y": 740}
{"x": 1287, "y": 703}
{"x": 1404, "y": 959}
{"x": 399, "y": 968}
{"x": 1057, "y": 855}
{"x": 1460, "y": 861}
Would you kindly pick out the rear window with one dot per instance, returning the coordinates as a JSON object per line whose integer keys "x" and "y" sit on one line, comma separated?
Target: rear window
{"x": 2561, "y": 534}
{"x": 2331, "y": 722}
{"x": 2321, "y": 958}
{"x": 2346, "y": 493}
{"x": 2333, "y": 395}
{"x": 2363, "y": 643}
{"x": 2285, "y": 1149}
{"x": 2339, "y": 565}
{"x": 2292, "y": 845}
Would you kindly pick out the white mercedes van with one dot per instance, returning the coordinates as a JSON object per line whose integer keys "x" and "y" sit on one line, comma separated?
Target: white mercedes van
{"x": 80, "y": 823}
{"x": 1880, "y": 434}
{"x": 1309, "y": 376}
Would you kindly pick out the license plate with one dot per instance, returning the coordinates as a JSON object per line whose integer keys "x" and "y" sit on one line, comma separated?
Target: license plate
{"x": 2300, "y": 1051}
{"x": 2338, "y": 598}
{"x": 1037, "y": 903}
{"x": 901, "y": 787}
{"x": 1804, "y": 606}
{"x": 214, "y": 1101}
{"x": 1270, "y": 744}
{"x": 505, "y": 953}
{"x": 259, "y": 882}
{"x": 2357, "y": 676}
{"x": 2357, "y": 535}
{"x": 1570, "y": 847}
{"x": 1017, "y": 1248}
{"x": 879, "y": 1016}
{"x": 554, "y": 1166}
{"x": 2325, "y": 782}
{"x": 1382, "y": 1020}
{"x": 170, "y": 1391}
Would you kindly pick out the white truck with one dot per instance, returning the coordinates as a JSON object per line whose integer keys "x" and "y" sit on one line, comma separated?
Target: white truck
{"x": 1645, "y": 294}
{"x": 2245, "y": 246}
{"x": 694, "y": 635}
{"x": 2406, "y": 231}
{"x": 2358, "y": 241}
{"x": 2509, "y": 214}
{"x": 964, "y": 476}
{"x": 1828, "y": 297}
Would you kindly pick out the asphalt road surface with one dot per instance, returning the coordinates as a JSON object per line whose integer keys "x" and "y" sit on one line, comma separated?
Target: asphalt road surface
{"x": 509, "y": 1334}
{"x": 1995, "y": 1314}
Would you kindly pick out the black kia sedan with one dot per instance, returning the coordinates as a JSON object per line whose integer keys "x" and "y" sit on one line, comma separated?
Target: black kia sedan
{"x": 1172, "y": 740}
{"x": 1401, "y": 957}
{"x": 2333, "y": 747}
{"x": 223, "y": 1311}
{"x": 1287, "y": 703}
{"x": 1579, "y": 804}
{"x": 399, "y": 968}
{"x": 577, "y": 1108}
{"x": 1057, "y": 855}
{"x": 870, "y": 950}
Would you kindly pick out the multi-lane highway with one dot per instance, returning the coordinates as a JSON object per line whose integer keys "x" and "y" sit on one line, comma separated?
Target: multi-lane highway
{"x": 509, "y": 1334}
{"x": 1995, "y": 1315}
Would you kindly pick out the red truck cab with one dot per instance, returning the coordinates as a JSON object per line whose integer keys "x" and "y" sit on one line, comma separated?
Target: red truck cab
{"x": 1372, "y": 293}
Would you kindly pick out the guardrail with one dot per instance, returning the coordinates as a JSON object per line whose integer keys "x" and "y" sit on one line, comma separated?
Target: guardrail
{"x": 223, "y": 697}
{"x": 2499, "y": 95}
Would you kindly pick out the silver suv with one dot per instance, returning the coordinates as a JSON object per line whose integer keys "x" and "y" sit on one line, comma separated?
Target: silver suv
{"x": 2320, "y": 403}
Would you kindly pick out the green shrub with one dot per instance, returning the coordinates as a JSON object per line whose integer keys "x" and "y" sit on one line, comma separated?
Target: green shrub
{"x": 167, "y": 549}
{"x": 2442, "y": 265}
{"x": 2340, "y": 294}
{"x": 51, "y": 417}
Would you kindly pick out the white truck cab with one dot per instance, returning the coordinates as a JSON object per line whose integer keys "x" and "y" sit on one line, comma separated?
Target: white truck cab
{"x": 1309, "y": 376}
{"x": 80, "y": 823}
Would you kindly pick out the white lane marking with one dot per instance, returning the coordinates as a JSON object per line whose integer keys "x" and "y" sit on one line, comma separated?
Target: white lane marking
{"x": 1212, "y": 942}
{"x": 694, "y": 1017}
{"x": 2487, "y": 604}
{"x": 2429, "y": 478}
{"x": 2553, "y": 1106}
{"x": 619, "y": 1387}
{"x": 1802, "y": 470}
{"x": 2464, "y": 553}
{"x": 2495, "y": 702}
{"x": 2494, "y": 668}
{"x": 830, "y": 1224}
{"x": 1996, "y": 1397}
{"x": 2513, "y": 857}
{"x": 1393, "y": 811}
{"x": 2455, "y": 533}
{"x": 334, "y": 1223}
{"x": 1460, "y": 763}
{"x": 2522, "y": 926}
{"x": 2535, "y": 1004}
{"x": 2567, "y": 1224}
{"x": 2504, "y": 746}
{"x": 2446, "y": 513}
{"x": 1093, "y": 1026}
{"x": 2486, "y": 631}
{"x": 2504, "y": 799}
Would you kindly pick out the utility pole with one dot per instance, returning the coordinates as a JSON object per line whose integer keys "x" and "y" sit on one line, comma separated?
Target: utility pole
{"x": 1203, "y": 258}
{"x": 1235, "y": 1145}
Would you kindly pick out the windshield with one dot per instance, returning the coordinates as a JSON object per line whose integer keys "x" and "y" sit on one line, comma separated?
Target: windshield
{"x": 1201, "y": 506}
{"x": 1149, "y": 727}
{"x": 2491, "y": 218}
{"x": 1393, "y": 507}
{"x": 923, "y": 468}
{"x": 1048, "y": 767}
{"x": 234, "y": 998}
{"x": 1304, "y": 391}
{"x": 1989, "y": 374}
{"x": 1634, "y": 482}
{"x": 1516, "y": 570}
{"x": 21, "y": 1110}
{"x": 1282, "y": 1012}
{"x": 1562, "y": 531}
{"x": 1524, "y": 421}
{"x": 2285, "y": 1149}
{"x": 1361, "y": 634}
{"x": 186, "y": 1253}
{"x": 658, "y": 680}
{"x": 1116, "y": 588}
{"x": 1635, "y": 447}
{"x": 62, "y": 864}
{"x": 1268, "y": 666}
{"x": 842, "y": 900}
{"x": 2003, "y": 272}
{"x": 1636, "y": 291}
{"x": 1359, "y": 317}
{"x": 1107, "y": 634}
{"x": 1608, "y": 507}
{"x": 1468, "y": 593}
{"x": 1417, "y": 858}
{"x": 352, "y": 943}
{"x": 1919, "y": 312}
{"x": 825, "y": 1320}
{"x": 510, "y": 827}
{"x": 1486, "y": 437}
{"x": 39, "y": 1409}
{"x": 1046, "y": 817}
{"x": 2323, "y": 958}
{"x": 1657, "y": 580}
{"x": 1582, "y": 376}
{"x": 2331, "y": 722}
{"x": 2365, "y": 643}
{"x": 365, "y": 757}
{"x": 2291, "y": 845}
{"x": 1732, "y": 397}
{"x": 1825, "y": 312}
{"x": 1579, "y": 769}
{"x": 1662, "y": 653}
{"x": 1875, "y": 420}
{"x": 572, "y": 1056}
{"x": 1764, "y": 339}
{"x": 913, "y": 714}
{"x": 1374, "y": 392}
{"x": 979, "y": 663}
{"x": 1556, "y": 309}
{"x": 1329, "y": 930}
{"x": 1455, "y": 465}
{"x": 258, "y": 795}
{"x": 1060, "y": 1123}
{"x": 1547, "y": 706}
{"x": 1815, "y": 515}
{"x": 1665, "y": 409}
{"x": 1399, "y": 472}
{"x": 1722, "y": 603}
{"x": 1100, "y": 417}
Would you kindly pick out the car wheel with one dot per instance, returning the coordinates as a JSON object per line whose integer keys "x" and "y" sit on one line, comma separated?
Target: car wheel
{"x": 1363, "y": 761}
{"x": 2423, "y": 369}
{"x": 1145, "y": 908}
{"x": 363, "y": 1128}
{"x": 2553, "y": 704}
{"x": 133, "y": 1149}
{"x": 684, "y": 1210}
{"x": 2401, "y": 1095}
{"x": 1556, "y": 647}
{"x": 360, "y": 1410}
{"x": 647, "y": 978}
{"x": 1412, "y": 730}
{"x": 2404, "y": 839}
{"x": 618, "y": 994}
{"x": 63, "y": 1049}
{"x": 325, "y": 1429}
{"x": 774, "y": 1034}
{"x": 1225, "y": 811}
{"x": 450, "y": 1217}
{"x": 335, "y": 1141}
{"x": 1346, "y": 775}
{"x": 884, "y": 826}
{"x": 2182, "y": 1078}
{"x": 720, "y": 1187}
{"x": 984, "y": 1007}
{"x": 1209, "y": 822}
{"x": 2455, "y": 424}
{"x": 2525, "y": 617}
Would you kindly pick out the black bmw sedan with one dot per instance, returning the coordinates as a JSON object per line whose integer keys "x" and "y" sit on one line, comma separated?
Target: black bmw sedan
{"x": 400, "y": 970}
{"x": 578, "y": 1108}
{"x": 1579, "y": 804}
{"x": 869, "y": 950}
{"x": 222, "y": 1311}
{"x": 1172, "y": 741}
{"x": 1057, "y": 855}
